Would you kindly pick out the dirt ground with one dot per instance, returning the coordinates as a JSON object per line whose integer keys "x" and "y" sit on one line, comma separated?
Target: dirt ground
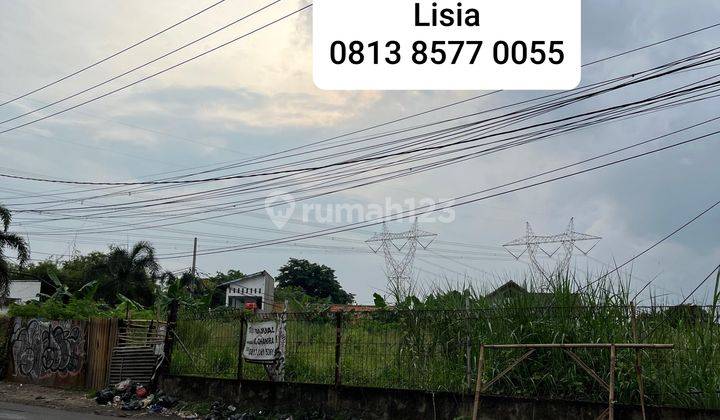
{"x": 63, "y": 399}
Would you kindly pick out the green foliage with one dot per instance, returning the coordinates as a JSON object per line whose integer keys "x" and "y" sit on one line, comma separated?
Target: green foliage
{"x": 210, "y": 285}
{"x": 74, "y": 309}
{"x": 130, "y": 272}
{"x": 315, "y": 280}
{"x": 9, "y": 240}
{"x": 120, "y": 279}
{"x": 78, "y": 271}
{"x": 219, "y": 277}
{"x": 299, "y": 301}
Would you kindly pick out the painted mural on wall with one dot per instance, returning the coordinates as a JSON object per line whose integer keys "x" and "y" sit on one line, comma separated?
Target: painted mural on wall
{"x": 47, "y": 351}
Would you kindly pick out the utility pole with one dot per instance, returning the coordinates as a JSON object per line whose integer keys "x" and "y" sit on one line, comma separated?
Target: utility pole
{"x": 194, "y": 256}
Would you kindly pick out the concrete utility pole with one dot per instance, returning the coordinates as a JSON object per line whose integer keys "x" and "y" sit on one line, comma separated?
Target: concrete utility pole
{"x": 194, "y": 256}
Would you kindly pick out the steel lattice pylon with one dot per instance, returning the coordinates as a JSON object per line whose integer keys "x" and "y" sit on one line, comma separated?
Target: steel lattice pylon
{"x": 398, "y": 268}
{"x": 566, "y": 243}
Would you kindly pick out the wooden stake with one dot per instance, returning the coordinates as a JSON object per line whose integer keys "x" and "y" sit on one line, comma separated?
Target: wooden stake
{"x": 468, "y": 346}
{"x": 638, "y": 367}
{"x": 611, "y": 385}
{"x": 338, "y": 344}
{"x": 479, "y": 381}
{"x": 587, "y": 369}
{"x": 509, "y": 368}
{"x": 241, "y": 346}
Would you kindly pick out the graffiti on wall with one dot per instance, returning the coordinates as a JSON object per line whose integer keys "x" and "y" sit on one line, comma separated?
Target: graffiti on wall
{"x": 44, "y": 349}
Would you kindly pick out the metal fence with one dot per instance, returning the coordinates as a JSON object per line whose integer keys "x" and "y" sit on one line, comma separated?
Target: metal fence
{"x": 438, "y": 350}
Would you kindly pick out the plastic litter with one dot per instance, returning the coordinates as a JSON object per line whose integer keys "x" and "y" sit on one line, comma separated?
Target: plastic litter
{"x": 166, "y": 401}
{"x": 123, "y": 385}
{"x": 155, "y": 409}
{"x": 104, "y": 396}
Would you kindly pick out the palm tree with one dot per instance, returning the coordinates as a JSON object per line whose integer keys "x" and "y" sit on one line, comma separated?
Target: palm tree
{"x": 12, "y": 241}
{"x": 131, "y": 273}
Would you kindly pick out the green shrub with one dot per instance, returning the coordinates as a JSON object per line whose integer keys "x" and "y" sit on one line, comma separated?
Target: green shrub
{"x": 74, "y": 309}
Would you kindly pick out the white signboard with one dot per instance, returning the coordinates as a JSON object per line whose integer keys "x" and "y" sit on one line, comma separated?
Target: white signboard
{"x": 446, "y": 44}
{"x": 261, "y": 342}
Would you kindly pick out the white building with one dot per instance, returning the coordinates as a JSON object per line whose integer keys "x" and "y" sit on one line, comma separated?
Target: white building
{"x": 254, "y": 290}
{"x": 20, "y": 291}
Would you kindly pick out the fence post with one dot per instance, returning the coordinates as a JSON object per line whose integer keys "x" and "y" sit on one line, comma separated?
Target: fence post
{"x": 240, "y": 347}
{"x": 638, "y": 367}
{"x": 468, "y": 346}
{"x": 338, "y": 341}
{"x": 611, "y": 384}
{"x": 169, "y": 337}
{"x": 479, "y": 381}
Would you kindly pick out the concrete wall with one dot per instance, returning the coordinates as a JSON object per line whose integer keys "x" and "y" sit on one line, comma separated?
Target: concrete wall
{"x": 377, "y": 403}
{"x": 47, "y": 352}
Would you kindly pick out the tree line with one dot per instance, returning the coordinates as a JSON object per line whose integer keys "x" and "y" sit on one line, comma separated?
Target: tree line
{"x": 133, "y": 277}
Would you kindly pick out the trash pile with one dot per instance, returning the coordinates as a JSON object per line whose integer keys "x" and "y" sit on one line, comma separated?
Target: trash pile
{"x": 132, "y": 396}
{"x": 135, "y": 396}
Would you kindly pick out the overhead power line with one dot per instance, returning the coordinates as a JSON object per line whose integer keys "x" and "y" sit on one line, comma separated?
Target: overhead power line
{"x": 280, "y": 153}
{"x": 126, "y": 226}
{"x": 204, "y": 53}
{"x": 147, "y": 63}
{"x": 422, "y": 149}
{"x": 205, "y": 210}
{"x": 466, "y": 200}
{"x": 672, "y": 38}
{"x": 246, "y": 210}
{"x": 113, "y": 55}
{"x": 700, "y": 285}
{"x": 657, "y": 243}
{"x": 648, "y": 249}
{"x": 472, "y": 98}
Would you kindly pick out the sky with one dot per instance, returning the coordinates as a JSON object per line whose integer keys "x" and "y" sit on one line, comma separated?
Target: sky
{"x": 256, "y": 97}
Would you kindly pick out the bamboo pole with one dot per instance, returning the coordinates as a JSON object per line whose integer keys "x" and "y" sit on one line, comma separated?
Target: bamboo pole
{"x": 468, "y": 346}
{"x": 479, "y": 381}
{"x": 610, "y": 410}
{"x": 638, "y": 367}
{"x": 587, "y": 368}
{"x": 509, "y": 368}
{"x": 611, "y": 385}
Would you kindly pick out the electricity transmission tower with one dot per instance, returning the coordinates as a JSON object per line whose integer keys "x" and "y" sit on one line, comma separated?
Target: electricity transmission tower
{"x": 399, "y": 251}
{"x": 562, "y": 244}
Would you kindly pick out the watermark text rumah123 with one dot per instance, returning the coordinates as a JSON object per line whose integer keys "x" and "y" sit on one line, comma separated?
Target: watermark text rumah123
{"x": 281, "y": 207}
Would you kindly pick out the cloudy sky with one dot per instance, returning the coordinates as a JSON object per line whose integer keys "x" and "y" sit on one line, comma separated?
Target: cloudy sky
{"x": 256, "y": 97}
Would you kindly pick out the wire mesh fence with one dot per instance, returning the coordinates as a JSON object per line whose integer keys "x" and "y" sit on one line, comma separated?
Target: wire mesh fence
{"x": 437, "y": 350}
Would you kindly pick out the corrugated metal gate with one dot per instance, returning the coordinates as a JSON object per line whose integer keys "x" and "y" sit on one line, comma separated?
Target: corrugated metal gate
{"x": 138, "y": 351}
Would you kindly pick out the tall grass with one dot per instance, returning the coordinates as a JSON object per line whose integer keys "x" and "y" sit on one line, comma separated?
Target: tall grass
{"x": 426, "y": 346}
